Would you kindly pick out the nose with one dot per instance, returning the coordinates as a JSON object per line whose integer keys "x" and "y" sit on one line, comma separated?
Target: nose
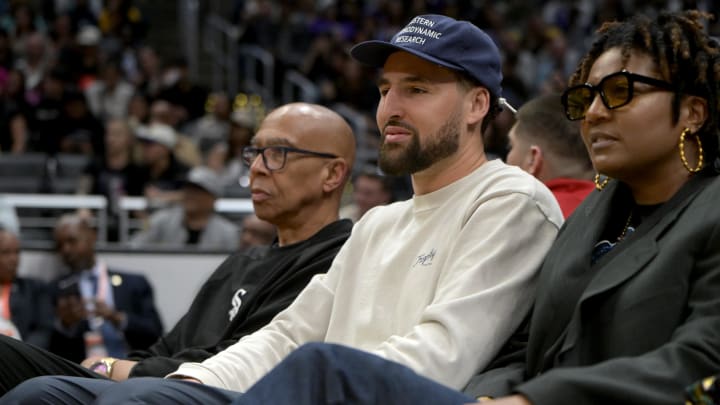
{"x": 257, "y": 165}
{"x": 597, "y": 110}
{"x": 390, "y": 106}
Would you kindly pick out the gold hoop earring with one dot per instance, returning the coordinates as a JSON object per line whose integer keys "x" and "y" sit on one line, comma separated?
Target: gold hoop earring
{"x": 598, "y": 184}
{"x": 681, "y": 146}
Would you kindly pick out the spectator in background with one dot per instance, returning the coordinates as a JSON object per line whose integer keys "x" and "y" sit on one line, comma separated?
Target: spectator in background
{"x": 114, "y": 174}
{"x": 182, "y": 92}
{"x": 226, "y": 158}
{"x": 194, "y": 222}
{"x": 35, "y": 60}
{"x": 100, "y": 311}
{"x": 14, "y": 114}
{"x": 149, "y": 79}
{"x": 370, "y": 189}
{"x": 138, "y": 110}
{"x": 21, "y": 24}
{"x": 79, "y": 131}
{"x": 544, "y": 143}
{"x": 162, "y": 175}
{"x": 62, "y": 36}
{"x": 109, "y": 96}
{"x": 185, "y": 149}
{"x": 85, "y": 66}
{"x": 256, "y": 232}
{"x": 47, "y": 114}
{"x": 214, "y": 126}
{"x": 25, "y": 304}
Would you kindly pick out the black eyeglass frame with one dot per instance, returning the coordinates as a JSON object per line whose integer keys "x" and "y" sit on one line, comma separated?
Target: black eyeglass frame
{"x": 598, "y": 88}
{"x": 255, "y": 151}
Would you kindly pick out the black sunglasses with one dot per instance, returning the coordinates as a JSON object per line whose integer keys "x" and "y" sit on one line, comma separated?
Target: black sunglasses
{"x": 275, "y": 157}
{"x": 616, "y": 90}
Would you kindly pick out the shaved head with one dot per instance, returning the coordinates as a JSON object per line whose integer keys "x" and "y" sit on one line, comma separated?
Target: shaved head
{"x": 321, "y": 128}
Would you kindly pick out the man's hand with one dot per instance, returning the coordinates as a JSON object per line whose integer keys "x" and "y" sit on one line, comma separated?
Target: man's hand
{"x": 121, "y": 369}
{"x": 70, "y": 310}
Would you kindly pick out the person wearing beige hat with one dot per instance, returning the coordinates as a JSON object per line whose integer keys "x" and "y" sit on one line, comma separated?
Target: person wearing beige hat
{"x": 162, "y": 175}
{"x": 194, "y": 221}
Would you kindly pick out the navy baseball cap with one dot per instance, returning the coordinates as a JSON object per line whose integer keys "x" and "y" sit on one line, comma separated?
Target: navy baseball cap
{"x": 457, "y": 45}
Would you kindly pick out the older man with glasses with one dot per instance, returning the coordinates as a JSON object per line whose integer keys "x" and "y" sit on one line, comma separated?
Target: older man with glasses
{"x": 300, "y": 195}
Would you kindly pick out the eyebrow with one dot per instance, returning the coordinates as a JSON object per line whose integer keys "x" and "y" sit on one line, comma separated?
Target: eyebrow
{"x": 407, "y": 80}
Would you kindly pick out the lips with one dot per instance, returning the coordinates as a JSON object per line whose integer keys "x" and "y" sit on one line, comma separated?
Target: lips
{"x": 394, "y": 134}
{"x": 259, "y": 195}
{"x": 600, "y": 140}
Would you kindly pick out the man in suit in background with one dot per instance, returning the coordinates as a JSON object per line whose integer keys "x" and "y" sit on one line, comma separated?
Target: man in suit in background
{"x": 25, "y": 306}
{"x": 99, "y": 311}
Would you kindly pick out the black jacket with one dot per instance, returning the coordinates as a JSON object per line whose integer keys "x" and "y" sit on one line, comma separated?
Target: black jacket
{"x": 133, "y": 295}
{"x": 31, "y": 311}
{"x": 641, "y": 323}
{"x": 252, "y": 287}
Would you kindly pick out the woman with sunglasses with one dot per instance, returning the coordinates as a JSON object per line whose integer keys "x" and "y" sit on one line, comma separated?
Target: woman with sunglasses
{"x": 628, "y": 304}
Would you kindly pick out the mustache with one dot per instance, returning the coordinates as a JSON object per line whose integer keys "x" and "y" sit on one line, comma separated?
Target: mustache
{"x": 401, "y": 124}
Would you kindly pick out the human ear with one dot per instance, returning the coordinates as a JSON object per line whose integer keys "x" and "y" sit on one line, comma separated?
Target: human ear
{"x": 479, "y": 105}
{"x": 335, "y": 175}
{"x": 693, "y": 112}
{"x": 536, "y": 160}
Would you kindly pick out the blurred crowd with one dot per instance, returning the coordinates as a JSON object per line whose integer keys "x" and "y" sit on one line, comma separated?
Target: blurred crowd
{"x": 541, "y": 41}
{"x": 80, "y": 77}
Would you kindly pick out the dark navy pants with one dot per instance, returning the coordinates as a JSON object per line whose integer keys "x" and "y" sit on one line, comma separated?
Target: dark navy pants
{"x": 316, "y": 373}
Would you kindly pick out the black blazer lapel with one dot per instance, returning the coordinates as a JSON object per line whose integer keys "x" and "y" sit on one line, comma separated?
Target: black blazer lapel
{"x": 565, "y": 274}
{"x": 630, "y": 256}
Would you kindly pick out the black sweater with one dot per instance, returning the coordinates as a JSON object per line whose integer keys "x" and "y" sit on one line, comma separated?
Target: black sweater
{"x": 262, "y": 281}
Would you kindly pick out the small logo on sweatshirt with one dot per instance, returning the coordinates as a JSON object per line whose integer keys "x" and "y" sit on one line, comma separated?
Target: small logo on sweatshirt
{"x": 236, "y": 302}
{"x": 425, "y": 259}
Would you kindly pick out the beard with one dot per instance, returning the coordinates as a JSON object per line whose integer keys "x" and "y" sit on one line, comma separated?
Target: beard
{"x": 397, "y": 160}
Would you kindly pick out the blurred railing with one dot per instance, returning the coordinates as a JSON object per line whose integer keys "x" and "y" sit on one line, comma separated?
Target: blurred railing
{"x": 55, "y": 204}
{"x": 128, "y": 204}
{"x": 59, "y": 202}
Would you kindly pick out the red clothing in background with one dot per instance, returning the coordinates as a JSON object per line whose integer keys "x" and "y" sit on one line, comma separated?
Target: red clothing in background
{"x": 570, "y": 192}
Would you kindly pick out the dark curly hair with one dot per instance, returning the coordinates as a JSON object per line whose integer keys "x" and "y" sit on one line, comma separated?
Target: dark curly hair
{"x": 685, "y": 54}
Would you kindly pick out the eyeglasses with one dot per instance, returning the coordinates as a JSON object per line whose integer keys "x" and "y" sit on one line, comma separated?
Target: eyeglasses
{"x": 616, "y": 90}
{"x": 275, "y": 157}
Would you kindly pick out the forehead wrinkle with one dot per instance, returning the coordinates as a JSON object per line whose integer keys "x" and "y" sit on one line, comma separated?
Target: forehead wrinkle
{"x": 272, "y": 141}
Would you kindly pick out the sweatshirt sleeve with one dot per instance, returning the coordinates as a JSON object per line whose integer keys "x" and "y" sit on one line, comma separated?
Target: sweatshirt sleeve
{"x": 305, "y": 320}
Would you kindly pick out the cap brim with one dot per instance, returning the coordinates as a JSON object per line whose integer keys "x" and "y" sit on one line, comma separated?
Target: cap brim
{"x": 375, "y": 53}
{"x": 200, "y": 186}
